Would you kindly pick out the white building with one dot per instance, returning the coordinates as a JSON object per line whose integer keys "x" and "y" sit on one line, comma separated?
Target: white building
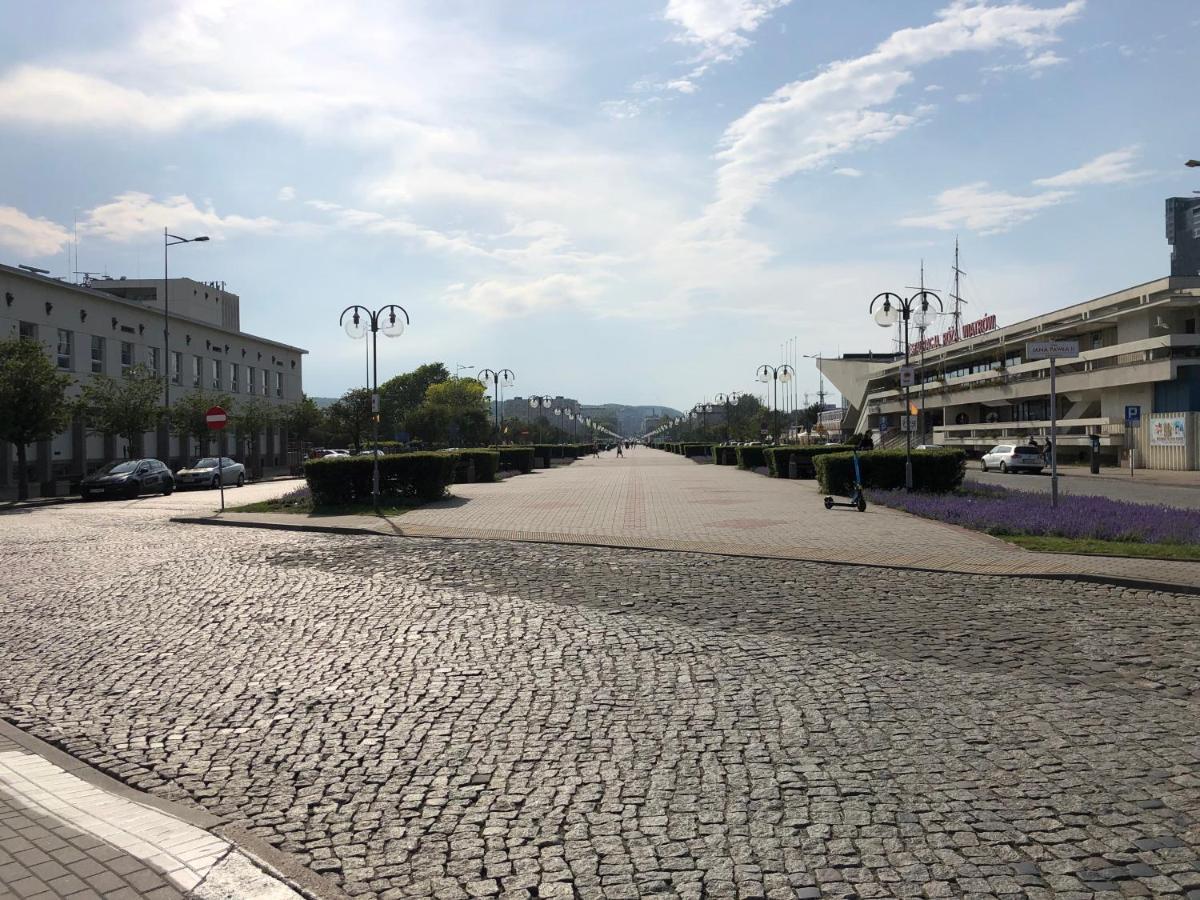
{"x": 106, "y": 326}
{"x": 1139, "y": 352}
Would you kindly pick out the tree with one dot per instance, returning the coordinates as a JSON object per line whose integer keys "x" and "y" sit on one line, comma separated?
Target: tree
{"x": 453, "y": 412}
{"x": 250, "y": 418}
{"x": 33, "y": 400}
{"x": 128, "y": 406}
{"x": 187, "y": 416}
{"x": 401, "y": 396}
{"x": 303, "y": 419}
{"x": 350, "y": 417}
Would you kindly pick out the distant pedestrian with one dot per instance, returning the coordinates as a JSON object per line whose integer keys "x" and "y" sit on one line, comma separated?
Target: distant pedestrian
{"x": 1048, "y": 452}
{"x": 865, "y": 442}
{"x": 619, "y": 453}
{"x": 1033, "y": 442}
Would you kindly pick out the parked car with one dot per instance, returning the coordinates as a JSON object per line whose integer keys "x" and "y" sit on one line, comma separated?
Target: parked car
{"x": 927, "y": 447}
{"x": 128, "y": 478}
{"x": 371, "y": 453}
{"x": 203, "y": 473}
{"x": 1013, "y": 458}
{"x": 321, "y": 453}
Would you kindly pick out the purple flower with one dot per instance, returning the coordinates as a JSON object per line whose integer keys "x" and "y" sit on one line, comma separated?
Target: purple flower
{"x": 998, "y": 510}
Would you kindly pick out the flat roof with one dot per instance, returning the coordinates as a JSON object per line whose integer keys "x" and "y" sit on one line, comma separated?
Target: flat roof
{"x": 105, "y": 295}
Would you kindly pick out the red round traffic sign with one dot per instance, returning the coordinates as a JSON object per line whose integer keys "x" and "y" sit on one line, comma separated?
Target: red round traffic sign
{"x": 216, "y": 418}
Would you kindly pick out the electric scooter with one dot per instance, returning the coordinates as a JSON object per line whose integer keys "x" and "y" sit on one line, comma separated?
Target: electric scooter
{"x": 856, "y": 499}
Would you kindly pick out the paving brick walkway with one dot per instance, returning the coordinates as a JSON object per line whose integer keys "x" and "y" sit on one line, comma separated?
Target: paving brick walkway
{"x": 655, "y": 500}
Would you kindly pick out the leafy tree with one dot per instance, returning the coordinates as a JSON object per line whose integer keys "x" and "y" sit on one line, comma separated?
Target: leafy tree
{"x": 350, "y": 417}
{"x": 128, "y": 406}
{"x": 250, "y": 418}
{"x": 453, "y": 411}
{"x": 303, "y": 419}
{"x": 187, "y": 416}
{"x": 401, "y": 396}
{"x": 33, "y": 400}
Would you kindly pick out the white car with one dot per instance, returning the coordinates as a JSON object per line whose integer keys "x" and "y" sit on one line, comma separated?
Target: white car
{"x": 203, "y": 473}
{"x": 1013, "y": 458}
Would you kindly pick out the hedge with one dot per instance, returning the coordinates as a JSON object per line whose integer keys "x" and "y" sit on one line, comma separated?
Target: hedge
{"x": 778, "y": 458}
{"x": 339, "y": 480}
{"x": 935, "y": 471}
{"x": 694, "y": 448}
{"x": 751, "y": 457}
{"x": 519, "y": 458}
{"x": 725, "y": 455}
{"x": 487, "y": 463}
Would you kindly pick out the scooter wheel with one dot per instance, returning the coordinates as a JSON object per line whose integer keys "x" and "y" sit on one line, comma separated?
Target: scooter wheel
{"x": 862, "y": 505}
{"x": 829, "y": 503}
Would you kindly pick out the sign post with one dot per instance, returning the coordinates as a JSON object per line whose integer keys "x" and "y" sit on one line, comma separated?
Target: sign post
{"x": 1133, "y": 418}
{"x": 1053, "y": 350}
{"x": 216, "y": 419}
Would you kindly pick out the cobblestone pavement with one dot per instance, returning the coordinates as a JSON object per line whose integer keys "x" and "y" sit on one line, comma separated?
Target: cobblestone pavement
{"x": 466, "y": 719}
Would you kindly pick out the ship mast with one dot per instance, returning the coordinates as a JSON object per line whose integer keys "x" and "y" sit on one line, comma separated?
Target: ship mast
{"x": 957, "y": 296}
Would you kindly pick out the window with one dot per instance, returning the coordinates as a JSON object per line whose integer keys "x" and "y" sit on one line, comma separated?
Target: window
{"x": 216, "y": 374}
{"x": 196, "y": 373}
{"x": 66, "y": 348}
{"x": 265, "y": 373}
{"x": 278, "y": 384}
{"x": 28, "y": 331}
{"x": 126, "y": 356}
{"x": 155, "y": 362}
{"x": 250, "y": 379}
{"x": 233, "y": 376}
{"x": 97, "y": 355}
{"x": 176, "y": 367}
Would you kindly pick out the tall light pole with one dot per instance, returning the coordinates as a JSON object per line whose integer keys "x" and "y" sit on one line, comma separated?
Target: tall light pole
{"x": 170, "y": 240}
{"x": 499, "y": 377}
{"x": 356, "y": 327}
{"x": 540, "y": 401}
{"x": 776, "y": 374}
{"x": 893, "y": 309}
{"x": 728, "y": 400}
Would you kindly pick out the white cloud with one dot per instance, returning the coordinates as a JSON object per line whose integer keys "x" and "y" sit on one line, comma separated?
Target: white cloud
{"x": 134, "y": 215}
{"x": 287, "y": 192}
{"x": 682, "y": 85}
{"x": 28, "y": 236}
{"x": 1107, "y": 168}
{"x": 976, "y": 207}
{"x": 805, "y": 124}
{"x": 933, "y": 87}
{"x": 507, "y": 298}
{"x": 966, "y": 97}
{"x": 848, "y": 171}
{"x": 720, "y": 27}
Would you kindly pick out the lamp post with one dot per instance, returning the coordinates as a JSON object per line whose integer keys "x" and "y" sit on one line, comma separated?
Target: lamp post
{"x": 893, "y": 309}
{"x": 356, "y": 327}
{"x": 170, "y": 240}
{"x": 776, "y": 374}
{"x": 728, "y": 400}
{"x": 500, "y": 378}
{"x": 540, "y": 401}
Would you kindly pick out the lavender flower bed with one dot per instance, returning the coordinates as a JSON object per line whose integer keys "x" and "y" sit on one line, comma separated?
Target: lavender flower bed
{"x": 999, "y": 511}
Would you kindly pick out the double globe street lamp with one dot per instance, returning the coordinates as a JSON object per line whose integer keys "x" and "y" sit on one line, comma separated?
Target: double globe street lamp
{"x": 361, "y": 320}
{"x": 502, "y": 378}
{"x": 728, "y": 400}
{"x": 921, "y": 313}
{"x": 776, "y": 374}
{"x": 540, "y": 401}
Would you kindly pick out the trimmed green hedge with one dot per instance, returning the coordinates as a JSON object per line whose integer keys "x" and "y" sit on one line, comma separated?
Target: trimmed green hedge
{"x": 935, "y": 471}
{"x": 339, "y": 480}
{"x": 487, "y": 464}
{"x": 519, "y": 458}
{"x": 751, "y": 457}
{"x": 725, "y": 455}
{"x": 778, "y": 458}
{"x": 694, "y": 448}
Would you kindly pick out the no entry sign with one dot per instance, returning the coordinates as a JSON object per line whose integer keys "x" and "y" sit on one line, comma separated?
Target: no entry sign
{"x": 216, "y": 418}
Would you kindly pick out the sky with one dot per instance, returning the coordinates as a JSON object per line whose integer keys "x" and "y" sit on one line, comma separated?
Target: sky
{"x": 633, "y": 202}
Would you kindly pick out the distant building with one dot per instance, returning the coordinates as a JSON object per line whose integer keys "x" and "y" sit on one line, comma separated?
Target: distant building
{"x": 1183, "y": 234}
{"x": 106, "y": 326}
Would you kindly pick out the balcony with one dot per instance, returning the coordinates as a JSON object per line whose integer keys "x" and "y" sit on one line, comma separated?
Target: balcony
{"x": 1071, "y": 432}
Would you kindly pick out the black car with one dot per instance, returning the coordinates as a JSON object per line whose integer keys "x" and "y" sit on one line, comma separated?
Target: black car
{"x": 128, "y": 478}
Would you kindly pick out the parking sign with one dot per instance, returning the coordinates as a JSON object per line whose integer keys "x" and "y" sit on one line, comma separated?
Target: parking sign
{"x": 1133, "y": 415}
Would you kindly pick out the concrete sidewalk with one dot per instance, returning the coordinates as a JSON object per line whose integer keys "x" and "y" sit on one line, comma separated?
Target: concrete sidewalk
{"x": 68, "y": 831}
{"x": 658, "y": 501}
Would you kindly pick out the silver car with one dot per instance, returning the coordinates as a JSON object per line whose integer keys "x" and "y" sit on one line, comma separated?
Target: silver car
{"x": 1013, "y": 458}
{"x": 203, "y": 473}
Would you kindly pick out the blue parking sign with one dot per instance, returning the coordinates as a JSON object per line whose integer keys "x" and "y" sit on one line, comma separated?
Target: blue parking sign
{"x": 1133, "y": 414}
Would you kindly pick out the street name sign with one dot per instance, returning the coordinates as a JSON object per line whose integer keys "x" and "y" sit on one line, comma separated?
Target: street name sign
{"x": 1052, "y": 349}
{"x": 216, "y": 418}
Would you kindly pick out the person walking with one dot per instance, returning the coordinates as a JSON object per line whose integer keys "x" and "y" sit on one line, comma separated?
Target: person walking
{"x": 865, "y": 442}
{"x": 619, "y": 453}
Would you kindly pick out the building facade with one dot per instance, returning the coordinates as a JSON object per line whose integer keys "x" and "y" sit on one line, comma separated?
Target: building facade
{"x": 1183, "y": 234}
{"x": 107, "y": 326}
{"x": 1139, "y": 352}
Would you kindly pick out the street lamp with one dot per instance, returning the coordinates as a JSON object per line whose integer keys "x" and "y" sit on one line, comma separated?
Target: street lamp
{"x": 893, "y": 309}
{"x": 776, "y": 374}
{"x": 1192, "y": 163}
{"x": 170, "y": 240}
{"x": 728, "y": 400}
{"x": 383, "y": 319}
{"x": 540, "y": 401}
{"x": 499, "y": 379}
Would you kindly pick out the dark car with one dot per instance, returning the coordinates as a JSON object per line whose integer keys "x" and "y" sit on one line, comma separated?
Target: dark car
{"x": 128, "y": 478}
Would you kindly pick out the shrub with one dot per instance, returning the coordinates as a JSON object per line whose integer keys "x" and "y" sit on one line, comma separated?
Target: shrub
{"x": 725, "y": 455}
{"x": 934, "y": 471}
{"x": 693, "y": 449}
{"x": 340, "y": 480}
{"x": 751, "y": 457}
{"x": 518, "y": 458}
{"x": 778, "y": 458}
{"x": 487, "y": 464}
